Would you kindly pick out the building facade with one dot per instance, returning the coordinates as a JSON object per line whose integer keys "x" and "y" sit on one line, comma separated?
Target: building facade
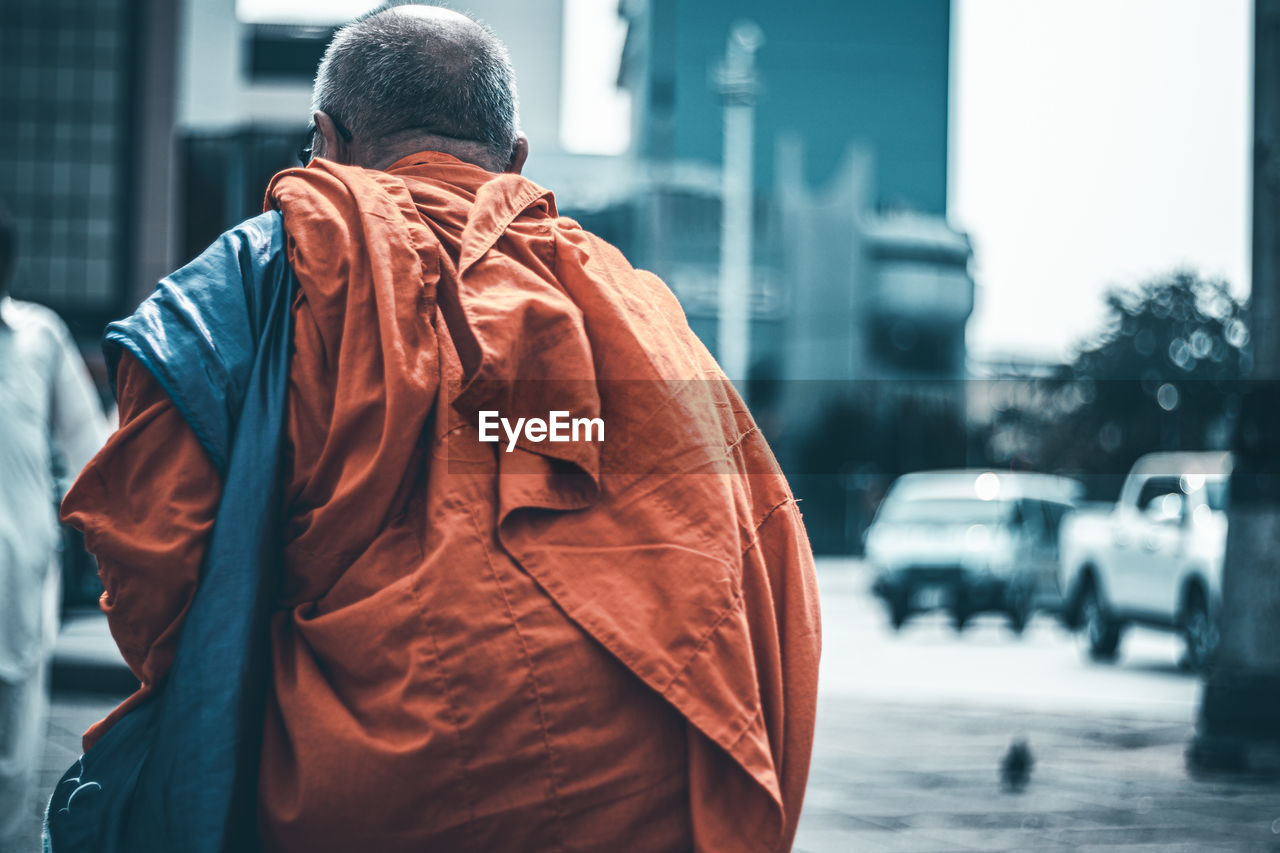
{"x": 146, "y": 127}
{"x": 860, "y": 290}
{"x": 84, "y": 168}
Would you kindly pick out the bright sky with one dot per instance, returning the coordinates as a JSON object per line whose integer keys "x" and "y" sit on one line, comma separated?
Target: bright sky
{"x": 1095, "y": 142}
{"x": 595, "y": 115}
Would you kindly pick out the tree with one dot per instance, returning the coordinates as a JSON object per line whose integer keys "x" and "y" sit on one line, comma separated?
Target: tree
{"x": 1160, "y": 376}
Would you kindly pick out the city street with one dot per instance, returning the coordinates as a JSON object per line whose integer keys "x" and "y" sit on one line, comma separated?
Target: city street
{"x": 912, "y": 728}
{"x": 987, "y": 666}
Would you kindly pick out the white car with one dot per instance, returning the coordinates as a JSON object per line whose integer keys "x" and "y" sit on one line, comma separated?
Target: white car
{"x": 1155, "y": 558}
{"x": 969, "y": 541}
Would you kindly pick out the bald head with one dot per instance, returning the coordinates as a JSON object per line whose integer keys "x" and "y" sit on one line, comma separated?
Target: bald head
{"x": 408, "y": 76}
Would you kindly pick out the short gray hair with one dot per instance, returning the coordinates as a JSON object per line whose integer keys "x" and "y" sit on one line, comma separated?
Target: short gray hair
{"x": 388, "y": 71}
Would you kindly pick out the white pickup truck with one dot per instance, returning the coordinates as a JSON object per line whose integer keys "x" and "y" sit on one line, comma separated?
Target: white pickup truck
{"x": 1154, "y": 559}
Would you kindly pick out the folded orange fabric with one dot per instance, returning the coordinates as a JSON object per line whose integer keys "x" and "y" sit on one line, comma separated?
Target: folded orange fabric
{"x": 573, "y": 645}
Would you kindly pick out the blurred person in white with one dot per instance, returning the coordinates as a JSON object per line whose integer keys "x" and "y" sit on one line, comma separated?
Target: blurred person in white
{"x": 49, "y": 414}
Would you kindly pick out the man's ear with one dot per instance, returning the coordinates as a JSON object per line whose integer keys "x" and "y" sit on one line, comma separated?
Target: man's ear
{"x": 519, "y": 154}
{"x": 329, "y": 143}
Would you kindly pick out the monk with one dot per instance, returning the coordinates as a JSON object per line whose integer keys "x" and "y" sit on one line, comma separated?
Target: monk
{"x": 602, "y": 643}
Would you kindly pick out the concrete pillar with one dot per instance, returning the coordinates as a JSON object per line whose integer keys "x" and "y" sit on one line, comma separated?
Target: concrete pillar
{"x": 1239, "y": 724}
{"x": 154, "y": 208}
{"x": 737, "y": 82}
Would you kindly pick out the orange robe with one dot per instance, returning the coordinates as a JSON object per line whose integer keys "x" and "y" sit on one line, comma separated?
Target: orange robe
{"x": 577, "y": 647}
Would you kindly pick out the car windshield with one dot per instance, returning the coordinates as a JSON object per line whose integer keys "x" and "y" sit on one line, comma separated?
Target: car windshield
{"x": 944, "y": 511}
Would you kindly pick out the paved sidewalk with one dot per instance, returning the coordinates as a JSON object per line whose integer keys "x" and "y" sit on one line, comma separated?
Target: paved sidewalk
{"x": 894, "y": 777}
{"x": 86, "y": 659}
{"x": 70, "y": 714}
{"x": 88, "y": 679}
{"x": 908, "y": 777}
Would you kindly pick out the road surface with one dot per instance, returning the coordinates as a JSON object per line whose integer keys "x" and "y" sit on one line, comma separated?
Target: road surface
{"x": 913, "y": 728}
{"x": 987, "y": 666}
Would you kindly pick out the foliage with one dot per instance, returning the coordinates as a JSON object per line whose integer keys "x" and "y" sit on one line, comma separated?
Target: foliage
{"x": 1161, "y": 376}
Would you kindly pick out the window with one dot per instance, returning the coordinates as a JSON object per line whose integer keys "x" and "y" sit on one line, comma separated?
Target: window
{"x": 63, "y": 85}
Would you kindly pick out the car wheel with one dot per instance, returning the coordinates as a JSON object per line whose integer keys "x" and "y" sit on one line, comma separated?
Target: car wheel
{"x": 1199, "y": 634}
{"x": 1102, "y": 633}
{"x": 1019, "y": 609}
{"x": 1018, "y": 618}
{"x": 1069, "y": 616}
{"x": 960, "y": 610}
{"x": 899, "y": 612}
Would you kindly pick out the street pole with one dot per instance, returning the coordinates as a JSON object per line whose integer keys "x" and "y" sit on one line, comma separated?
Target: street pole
{"x": 1239, "y": 724}
{"x": 737, "y": 84}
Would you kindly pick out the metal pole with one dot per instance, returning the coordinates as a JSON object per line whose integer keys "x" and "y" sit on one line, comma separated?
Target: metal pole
{"x": 1239, "y": 724}
{"x": 1265, "y": 299}
{"x": 737, "y": 85}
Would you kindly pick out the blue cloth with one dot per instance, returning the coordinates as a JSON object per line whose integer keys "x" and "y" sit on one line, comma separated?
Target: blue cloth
{"x": 179, "y": 773}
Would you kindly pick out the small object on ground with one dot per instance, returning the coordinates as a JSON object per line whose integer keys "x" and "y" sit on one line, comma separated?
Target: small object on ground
{"x": 1015, "y": 767}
